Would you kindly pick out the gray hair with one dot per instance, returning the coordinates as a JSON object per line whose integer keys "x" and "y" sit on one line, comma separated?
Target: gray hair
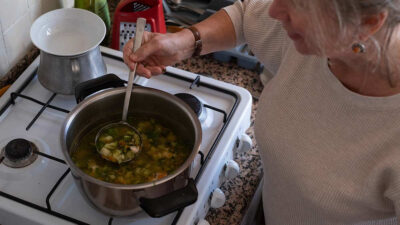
{"x": 350, "y": 13}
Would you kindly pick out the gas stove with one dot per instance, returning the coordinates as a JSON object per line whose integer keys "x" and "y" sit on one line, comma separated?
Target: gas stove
{"x": 36, "y": 185}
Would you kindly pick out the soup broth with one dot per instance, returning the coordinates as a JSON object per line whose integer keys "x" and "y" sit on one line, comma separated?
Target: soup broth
{"x": 161, "y": 154}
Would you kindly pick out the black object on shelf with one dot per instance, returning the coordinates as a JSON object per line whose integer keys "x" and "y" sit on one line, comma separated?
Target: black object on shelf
{"x": 242, "y": 56}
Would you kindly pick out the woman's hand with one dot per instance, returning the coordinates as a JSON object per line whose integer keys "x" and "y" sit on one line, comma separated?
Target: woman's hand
{"x": 158, "y": 51}
{"x": 161, "y": 50}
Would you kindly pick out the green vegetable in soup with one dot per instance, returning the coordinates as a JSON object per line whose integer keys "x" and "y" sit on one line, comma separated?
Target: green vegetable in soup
{"x": 118, "y": 144}
{"x": 161, "y": 154}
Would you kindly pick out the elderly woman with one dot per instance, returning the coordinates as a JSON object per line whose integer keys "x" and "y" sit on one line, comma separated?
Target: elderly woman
{"x": 328, "y": 123}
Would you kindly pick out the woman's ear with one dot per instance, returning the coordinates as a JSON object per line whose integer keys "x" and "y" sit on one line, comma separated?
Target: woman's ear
{"x": 372, "y": 24}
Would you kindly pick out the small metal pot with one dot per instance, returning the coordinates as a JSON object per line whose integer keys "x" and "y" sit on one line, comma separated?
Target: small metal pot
{"x": 68, "y": 40}
{"x": 61, "y": 74}
{"x": 157, "y": 198}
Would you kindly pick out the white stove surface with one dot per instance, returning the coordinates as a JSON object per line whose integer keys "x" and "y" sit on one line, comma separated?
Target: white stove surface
{"x": 34, "y": 182}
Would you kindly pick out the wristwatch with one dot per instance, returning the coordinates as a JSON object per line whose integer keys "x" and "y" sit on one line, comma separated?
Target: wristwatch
{"x": 197, "y": 41}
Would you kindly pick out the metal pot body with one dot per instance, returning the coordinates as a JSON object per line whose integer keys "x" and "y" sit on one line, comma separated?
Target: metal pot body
{"x": 127, "y": 200}
{"x": 61, "y": 74}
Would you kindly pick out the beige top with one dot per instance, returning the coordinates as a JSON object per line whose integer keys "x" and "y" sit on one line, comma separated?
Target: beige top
{"x": 330, "y": 156}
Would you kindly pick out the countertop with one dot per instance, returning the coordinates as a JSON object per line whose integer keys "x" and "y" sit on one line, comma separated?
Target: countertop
{"x": 239, "y": 190}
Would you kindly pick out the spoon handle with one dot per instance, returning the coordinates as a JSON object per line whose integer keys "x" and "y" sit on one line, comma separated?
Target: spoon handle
{"x": 140, "y": 24}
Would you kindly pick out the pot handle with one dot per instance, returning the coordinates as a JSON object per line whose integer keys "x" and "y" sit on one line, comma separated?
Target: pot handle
{"x": 86, "y": 88}
{"x": 179, "y": 199}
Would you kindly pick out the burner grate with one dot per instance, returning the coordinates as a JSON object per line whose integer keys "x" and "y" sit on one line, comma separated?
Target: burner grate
{"x": 55, "y": 187}
{"x": 14, "y": 95}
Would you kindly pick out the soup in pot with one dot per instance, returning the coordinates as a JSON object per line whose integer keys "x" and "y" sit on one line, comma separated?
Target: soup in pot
{"x": 161, "y": 154}
{"x": 118, "y": 143}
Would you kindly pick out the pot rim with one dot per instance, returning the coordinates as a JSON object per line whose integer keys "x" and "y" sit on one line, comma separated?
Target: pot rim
{"x": 95, "y": 48}
{"x": 58, "y": 18}
{"x": 90, "y": 100}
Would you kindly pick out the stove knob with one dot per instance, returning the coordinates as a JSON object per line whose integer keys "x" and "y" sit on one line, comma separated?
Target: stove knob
{"x": 203, "y": 222}
{"x": 217, "y": 198}
{"x": 243, "y": 143}
{"x": 231, "y": 169}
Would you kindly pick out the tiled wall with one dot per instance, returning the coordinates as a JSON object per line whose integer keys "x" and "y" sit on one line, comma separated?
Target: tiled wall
{"x": 16, "y": 18}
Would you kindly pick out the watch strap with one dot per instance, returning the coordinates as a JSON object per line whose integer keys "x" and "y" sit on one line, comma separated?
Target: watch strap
{"x": 198, "y": 45}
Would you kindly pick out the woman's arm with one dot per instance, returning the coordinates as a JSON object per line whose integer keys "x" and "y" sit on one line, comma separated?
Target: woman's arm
{"x": 217, "y": 32}
{"x": 161, "y": 50}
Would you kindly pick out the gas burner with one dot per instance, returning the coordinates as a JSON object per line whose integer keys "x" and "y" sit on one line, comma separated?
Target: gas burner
{"x": 19, "y": 153}
{"x": 194, "y": 104}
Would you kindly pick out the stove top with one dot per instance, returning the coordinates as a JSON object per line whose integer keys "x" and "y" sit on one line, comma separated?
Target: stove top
{"x": 44, "y": 192}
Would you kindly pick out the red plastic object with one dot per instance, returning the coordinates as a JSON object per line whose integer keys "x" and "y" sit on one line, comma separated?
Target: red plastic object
{"x": 125, "y": 17}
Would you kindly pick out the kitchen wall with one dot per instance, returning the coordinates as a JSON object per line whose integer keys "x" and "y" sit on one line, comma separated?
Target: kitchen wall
{"x": 16, "y": 18}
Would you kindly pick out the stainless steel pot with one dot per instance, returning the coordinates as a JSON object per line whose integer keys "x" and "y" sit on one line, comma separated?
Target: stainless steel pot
{"x": 157, "y": 198}
{"x": 61, "y": 74}
{"x": 68, "y": 40}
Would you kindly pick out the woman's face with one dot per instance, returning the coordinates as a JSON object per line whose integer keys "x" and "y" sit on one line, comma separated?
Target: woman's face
{"x": 296, "y": 21}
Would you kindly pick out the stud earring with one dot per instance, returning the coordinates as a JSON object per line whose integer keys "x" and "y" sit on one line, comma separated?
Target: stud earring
{"x": 358, "y": 48}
